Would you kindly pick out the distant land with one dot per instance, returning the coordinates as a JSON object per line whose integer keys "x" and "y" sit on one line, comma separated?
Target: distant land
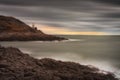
{"x": 12, "y": 29}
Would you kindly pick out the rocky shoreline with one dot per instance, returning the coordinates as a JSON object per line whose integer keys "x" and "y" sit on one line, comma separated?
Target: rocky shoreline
{"x": 28, "y": 36}
{"x": 16, "y": 65}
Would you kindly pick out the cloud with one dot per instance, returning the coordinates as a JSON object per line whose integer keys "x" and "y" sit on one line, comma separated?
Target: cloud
{"x": 41, "y": 2}
{"x": 112, "y": 15}
{"x": 114, "y": 2}
{"x": 55, "y": 2}
{"x": 77, "y": 15}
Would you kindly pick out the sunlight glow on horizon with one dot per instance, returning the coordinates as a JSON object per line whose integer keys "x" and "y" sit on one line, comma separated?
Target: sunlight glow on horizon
{"x": 65, "y": 31}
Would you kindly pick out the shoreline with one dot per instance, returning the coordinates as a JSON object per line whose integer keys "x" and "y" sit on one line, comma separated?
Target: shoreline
{"x": 15, "y": 60}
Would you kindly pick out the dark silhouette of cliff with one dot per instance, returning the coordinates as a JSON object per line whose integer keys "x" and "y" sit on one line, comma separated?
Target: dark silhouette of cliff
{"x": 15, "y": 65}
{"x": 12, "y": 29}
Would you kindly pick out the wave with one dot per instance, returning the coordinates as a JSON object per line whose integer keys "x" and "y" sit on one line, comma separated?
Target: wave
{"x": 76, "y": 40}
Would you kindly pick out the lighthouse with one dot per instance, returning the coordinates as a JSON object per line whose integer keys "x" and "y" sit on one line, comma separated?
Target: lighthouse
{"x": 33, "y": 26}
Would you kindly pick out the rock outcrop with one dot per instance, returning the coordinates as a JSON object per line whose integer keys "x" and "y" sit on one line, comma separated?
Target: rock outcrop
{"x": 15, "y": 65}
{"x": 12, "y": 29}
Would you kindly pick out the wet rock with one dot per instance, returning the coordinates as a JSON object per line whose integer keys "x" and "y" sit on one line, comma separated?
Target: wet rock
{"x": 15, "y": 65}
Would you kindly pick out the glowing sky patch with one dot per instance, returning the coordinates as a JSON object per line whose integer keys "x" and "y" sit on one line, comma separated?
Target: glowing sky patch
{"x": 66, "y": 31}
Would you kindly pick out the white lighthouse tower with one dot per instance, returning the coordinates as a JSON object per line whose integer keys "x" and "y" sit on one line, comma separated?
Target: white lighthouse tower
{"x": 33, "y": 26}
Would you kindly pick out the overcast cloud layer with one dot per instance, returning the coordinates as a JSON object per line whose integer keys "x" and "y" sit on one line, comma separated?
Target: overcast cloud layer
{"x": 77, "y": 15}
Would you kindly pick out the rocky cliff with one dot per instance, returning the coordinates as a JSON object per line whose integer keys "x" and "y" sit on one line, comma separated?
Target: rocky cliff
{"x": 12, "y": 29}
{"x": 15, "y": 65}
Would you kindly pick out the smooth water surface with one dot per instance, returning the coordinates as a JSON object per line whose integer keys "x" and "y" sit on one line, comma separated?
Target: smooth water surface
{"x": 100, "y": 51}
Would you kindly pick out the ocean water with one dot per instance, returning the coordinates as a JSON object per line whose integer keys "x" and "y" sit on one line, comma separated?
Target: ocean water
{"x": 100, "y": 51}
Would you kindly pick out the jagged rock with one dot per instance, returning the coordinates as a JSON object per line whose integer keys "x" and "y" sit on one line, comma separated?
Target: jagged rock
{"x": 12, "y": 29}
{"x": 15, "y": 65}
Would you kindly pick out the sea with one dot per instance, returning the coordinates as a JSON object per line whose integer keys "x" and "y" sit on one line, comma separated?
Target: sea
{"x": 102, "y": 52}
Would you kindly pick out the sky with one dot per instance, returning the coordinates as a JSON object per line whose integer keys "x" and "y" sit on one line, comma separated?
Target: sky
{"x": 82, "y": 17}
